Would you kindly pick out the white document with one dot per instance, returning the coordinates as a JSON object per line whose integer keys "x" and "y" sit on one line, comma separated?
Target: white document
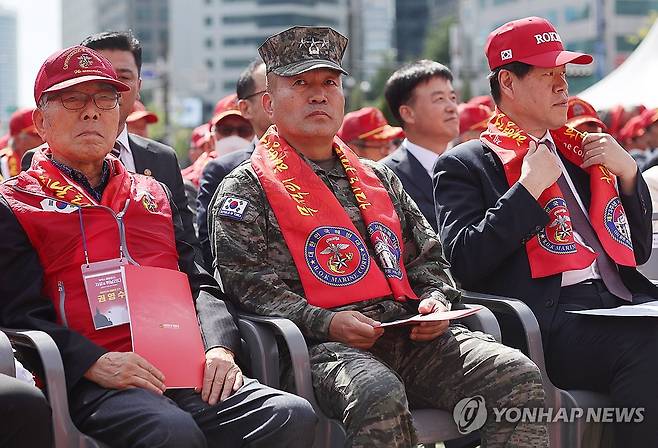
{"x": 433, "y": 317}
{"x": 648, "y": 309}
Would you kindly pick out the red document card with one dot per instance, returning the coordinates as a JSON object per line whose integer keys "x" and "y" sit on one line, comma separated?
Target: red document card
{"x": 164, "y": 326}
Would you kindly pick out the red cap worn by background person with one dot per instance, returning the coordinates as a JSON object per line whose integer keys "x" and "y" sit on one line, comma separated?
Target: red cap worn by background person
{"x": 71, "y": 66}
{"x": 225, "y": 107}
{"x": 533, "y": 41}
{"x": 580, "y": 111}
{"x": 483, "y": 100}
{"x": 4, "y": 141}
{"x": 21, "y": 121}
{"x": 367, "y": 123}
{"x": 649, "y": 117}
{"x": 139, "y": 112}
{"x": 473, "y": 117}
{"x": 632, "y": 129}
{"x": 199, "y": 135}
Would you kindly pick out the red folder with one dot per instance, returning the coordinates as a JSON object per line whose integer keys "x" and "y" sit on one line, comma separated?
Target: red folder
{"x": 163, "y": 323}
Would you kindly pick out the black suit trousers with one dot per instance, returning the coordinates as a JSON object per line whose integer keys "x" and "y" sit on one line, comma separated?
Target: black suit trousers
{"x": 254, "y": 416}
{"x": 616, "y": 356}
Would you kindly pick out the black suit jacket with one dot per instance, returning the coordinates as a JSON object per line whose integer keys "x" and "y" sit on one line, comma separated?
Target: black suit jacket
{"x": 484, "y": 224}
{"x": 213, "y": 173}
{"x": 158, "y": 160}
{"x": 417, "y": 183}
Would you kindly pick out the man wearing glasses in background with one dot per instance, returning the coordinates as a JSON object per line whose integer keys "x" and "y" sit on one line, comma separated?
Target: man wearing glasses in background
{"x": 249, "y": 89}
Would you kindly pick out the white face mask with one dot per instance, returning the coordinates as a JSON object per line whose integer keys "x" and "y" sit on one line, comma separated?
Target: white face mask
{"x": 229, "y": 144}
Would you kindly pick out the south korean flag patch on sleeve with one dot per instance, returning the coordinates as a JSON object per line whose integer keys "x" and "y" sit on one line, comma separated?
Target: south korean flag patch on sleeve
{"x": 234, "y": 208}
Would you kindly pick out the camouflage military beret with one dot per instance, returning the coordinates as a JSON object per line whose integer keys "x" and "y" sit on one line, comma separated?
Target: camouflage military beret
{"x": 303, "y": 48}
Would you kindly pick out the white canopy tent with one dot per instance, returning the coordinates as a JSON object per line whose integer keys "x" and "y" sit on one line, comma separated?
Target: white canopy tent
{"x": 633, "y": 82}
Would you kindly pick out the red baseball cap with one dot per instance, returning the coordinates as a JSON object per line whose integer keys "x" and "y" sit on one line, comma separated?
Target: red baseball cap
{"x": 199, "y": 135}
{"x": 21, "y": 121}
{"x": 473, "y": 117}
{"x": 367, "y": 123}
{"x": 633, "y": 128}
{"x": 225, "y": 107}
{"x": 649, "y": 116}
{"x": 72, "y": 66}
{"x": 139, "y": 112}
{"x": 483, "y": 100}
{"x": 532, "y": 40}
{"x": 580, "y": 111}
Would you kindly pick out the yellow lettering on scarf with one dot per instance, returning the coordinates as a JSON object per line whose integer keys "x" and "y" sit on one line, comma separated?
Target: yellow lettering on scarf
{"x": 606, "y": 174}
{"x": 297, "y": 195}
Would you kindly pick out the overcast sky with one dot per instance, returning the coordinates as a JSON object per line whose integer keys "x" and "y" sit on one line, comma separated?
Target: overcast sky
{"x": 39, "y": 35}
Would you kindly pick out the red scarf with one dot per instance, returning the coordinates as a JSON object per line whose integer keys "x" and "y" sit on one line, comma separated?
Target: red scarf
{"x": 554, "y": 249}
{"x": 66, "y": 189}
{"x": 332, "y": 259}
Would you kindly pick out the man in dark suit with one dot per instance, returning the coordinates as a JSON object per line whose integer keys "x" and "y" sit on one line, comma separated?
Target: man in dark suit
{"x": 138, "y": 154}
{"x": 422, "y": 99}
{"x": 557, "y": 219}
{"x": 250, "y": 88}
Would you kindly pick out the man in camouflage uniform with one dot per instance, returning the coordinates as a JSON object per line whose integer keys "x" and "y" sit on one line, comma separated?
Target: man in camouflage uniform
{"x": 363, "y": 375}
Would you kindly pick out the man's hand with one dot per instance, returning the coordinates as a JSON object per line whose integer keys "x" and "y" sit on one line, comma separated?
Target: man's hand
{"x": 221, "y": 376}
{"x": 427, "y": 331}
{"x": 602, "y": 149}
{"x": 124, "y": 370}
{"x": 354, "y": 329}
{"x": 540, "y": 169}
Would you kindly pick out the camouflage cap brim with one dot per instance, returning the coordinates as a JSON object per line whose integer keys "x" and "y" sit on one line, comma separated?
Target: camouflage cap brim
{"x": 304, "y": 66}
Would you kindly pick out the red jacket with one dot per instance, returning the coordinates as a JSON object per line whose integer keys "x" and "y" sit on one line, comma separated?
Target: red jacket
{"x": 53, "y": 209}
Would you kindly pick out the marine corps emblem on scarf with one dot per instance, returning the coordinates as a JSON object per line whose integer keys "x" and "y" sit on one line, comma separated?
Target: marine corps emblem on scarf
{"x": 554, "y": 250}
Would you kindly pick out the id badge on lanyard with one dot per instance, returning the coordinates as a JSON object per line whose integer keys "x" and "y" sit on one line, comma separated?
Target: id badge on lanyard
{"x": 105, "y": 285}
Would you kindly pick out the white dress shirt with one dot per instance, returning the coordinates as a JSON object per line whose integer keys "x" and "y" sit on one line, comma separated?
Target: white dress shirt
{"x": 425, "y": 156}
{"x": 591, "y": 271}
{"x": 126, "y": 155}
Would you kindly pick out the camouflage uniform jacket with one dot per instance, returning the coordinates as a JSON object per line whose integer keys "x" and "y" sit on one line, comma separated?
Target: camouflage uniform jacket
{"x": 258, "y": 271}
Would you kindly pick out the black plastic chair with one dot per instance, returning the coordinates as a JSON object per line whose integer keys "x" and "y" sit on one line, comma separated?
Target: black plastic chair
{"x": 566, "y": 435}
{"x": 432, "y": 425}
{"x": 65, "y": 433}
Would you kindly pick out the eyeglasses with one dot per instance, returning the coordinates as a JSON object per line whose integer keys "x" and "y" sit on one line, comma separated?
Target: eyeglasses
{"x": 260, "y": 92}
{"x": 225, "y": 130}
{"x": 79, "y": 100}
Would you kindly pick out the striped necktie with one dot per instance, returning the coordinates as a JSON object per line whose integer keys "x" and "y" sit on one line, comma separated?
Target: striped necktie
{"x": 116, "y": 151}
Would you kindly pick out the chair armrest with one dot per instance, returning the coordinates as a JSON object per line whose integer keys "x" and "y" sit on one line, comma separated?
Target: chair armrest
{"x": 522, "y": 312}
{"x": 65, "y": 432}
{"x": 484, "y": 321}
{"x": 297, "y": 348}
{"x": 7, "y": 365}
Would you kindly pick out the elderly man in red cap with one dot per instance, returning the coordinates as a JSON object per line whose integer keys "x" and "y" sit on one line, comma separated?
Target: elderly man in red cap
{"x": 78, "y": 207}
{"x": 541, "y": 212}
{"x": 22, "y": 136}
{"x": 368, "y": 134}
{"x": 139, "y": 120}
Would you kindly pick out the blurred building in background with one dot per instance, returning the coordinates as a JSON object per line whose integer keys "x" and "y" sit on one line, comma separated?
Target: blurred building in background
{"x": 212, "y": 41}
{"x": 608, "y": 29}
{"x": 8, "y": 66}
{"x": 414, "y": 19}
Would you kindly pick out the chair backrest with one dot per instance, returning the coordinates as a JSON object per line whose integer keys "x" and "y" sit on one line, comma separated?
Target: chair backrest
{"x": 7, "y": 365}
{"x": 650, "y": 268}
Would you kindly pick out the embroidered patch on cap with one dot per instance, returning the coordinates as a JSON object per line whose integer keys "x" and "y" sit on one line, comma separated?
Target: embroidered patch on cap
{"x": 233, "y": 208}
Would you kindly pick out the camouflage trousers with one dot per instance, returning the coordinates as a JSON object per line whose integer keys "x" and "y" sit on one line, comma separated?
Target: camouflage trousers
{"x": 371, "y": 391}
